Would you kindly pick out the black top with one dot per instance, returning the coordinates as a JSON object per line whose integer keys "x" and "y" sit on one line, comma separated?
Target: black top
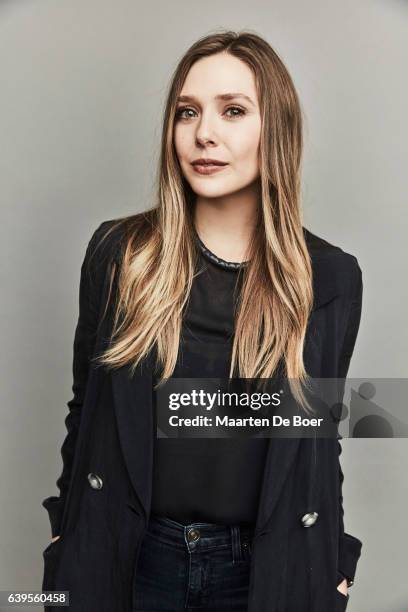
{"x": 214, "y": 480}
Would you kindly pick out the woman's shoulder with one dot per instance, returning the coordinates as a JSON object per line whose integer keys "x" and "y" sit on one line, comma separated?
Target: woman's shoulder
{"x": 111, "y": 236}
{"x": 321, "y": 249}
{"x": 333, "y": 266}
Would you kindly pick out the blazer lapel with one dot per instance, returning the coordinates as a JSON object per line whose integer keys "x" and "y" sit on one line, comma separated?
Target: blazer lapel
{"x": 282, "y": 451}
{"x": 325, "y": 284}
{"x": 280, "y": 456}
{"x": 134, "y": 414}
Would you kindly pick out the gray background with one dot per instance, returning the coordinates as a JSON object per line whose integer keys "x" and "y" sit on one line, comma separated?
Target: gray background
{"x": 82, "y": 86}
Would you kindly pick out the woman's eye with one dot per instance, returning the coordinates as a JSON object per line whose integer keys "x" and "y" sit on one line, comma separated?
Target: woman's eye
{"x": 180, "y": 112}
{"x": 236, "y": 108}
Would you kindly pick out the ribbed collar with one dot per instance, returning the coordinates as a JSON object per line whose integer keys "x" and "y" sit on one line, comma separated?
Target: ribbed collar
{"x": 222, "y": 263}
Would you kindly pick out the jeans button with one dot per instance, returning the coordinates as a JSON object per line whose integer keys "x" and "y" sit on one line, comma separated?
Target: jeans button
{"x": 246, "y": 547}
{"x": 193, "y": 535}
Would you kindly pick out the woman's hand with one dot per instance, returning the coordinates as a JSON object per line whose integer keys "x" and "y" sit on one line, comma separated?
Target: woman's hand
{"x": 55, "y": 538}
{"x": 342, "y": 587}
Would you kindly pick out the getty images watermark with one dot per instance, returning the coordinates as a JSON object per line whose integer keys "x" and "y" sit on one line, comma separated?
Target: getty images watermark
{"x": 244, "y": 407}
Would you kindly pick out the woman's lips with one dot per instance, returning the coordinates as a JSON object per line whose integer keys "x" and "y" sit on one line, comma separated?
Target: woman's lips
{"x": 208, "y": 168}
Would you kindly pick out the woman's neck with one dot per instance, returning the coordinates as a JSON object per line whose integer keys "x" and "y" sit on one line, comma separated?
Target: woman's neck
{"x": 226, "y": 225}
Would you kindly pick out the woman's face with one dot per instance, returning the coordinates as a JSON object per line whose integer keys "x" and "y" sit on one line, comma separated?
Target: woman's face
{"x": 212, "y": 124}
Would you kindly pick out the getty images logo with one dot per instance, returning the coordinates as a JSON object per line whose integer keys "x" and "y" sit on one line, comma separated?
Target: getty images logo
{"x": 376, "y": 408}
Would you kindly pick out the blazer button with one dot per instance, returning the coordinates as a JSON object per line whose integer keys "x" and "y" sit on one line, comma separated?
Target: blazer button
{"x": 309, "y": 519}
{"x": 95, "y": 481}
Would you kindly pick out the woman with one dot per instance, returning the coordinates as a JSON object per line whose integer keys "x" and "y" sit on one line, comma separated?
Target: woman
{"x": 220, "y": 279}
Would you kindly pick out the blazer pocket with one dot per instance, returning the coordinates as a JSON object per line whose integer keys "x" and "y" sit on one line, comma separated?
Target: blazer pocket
{"x": 50, "y": 546}
{"x": 342, "y": 601}
{"x": 50, "y": 557}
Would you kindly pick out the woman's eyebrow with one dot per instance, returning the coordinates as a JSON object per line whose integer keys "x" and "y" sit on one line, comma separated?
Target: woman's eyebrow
{"x": 225, "y": 97}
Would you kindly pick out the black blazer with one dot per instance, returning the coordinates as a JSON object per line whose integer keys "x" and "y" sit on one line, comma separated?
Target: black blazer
{"x": 105, "y": 486}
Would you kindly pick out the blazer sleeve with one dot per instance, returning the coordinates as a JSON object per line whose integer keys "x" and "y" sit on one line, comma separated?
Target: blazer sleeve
{"x": 83, "y": 346}
{"x": 349, "y": 546}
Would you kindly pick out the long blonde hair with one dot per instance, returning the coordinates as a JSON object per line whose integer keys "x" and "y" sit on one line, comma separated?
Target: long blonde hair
{"x": 160, "y": 253}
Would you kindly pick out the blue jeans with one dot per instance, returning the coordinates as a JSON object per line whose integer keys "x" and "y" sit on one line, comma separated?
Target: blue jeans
{"x": 201, "y": 566}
